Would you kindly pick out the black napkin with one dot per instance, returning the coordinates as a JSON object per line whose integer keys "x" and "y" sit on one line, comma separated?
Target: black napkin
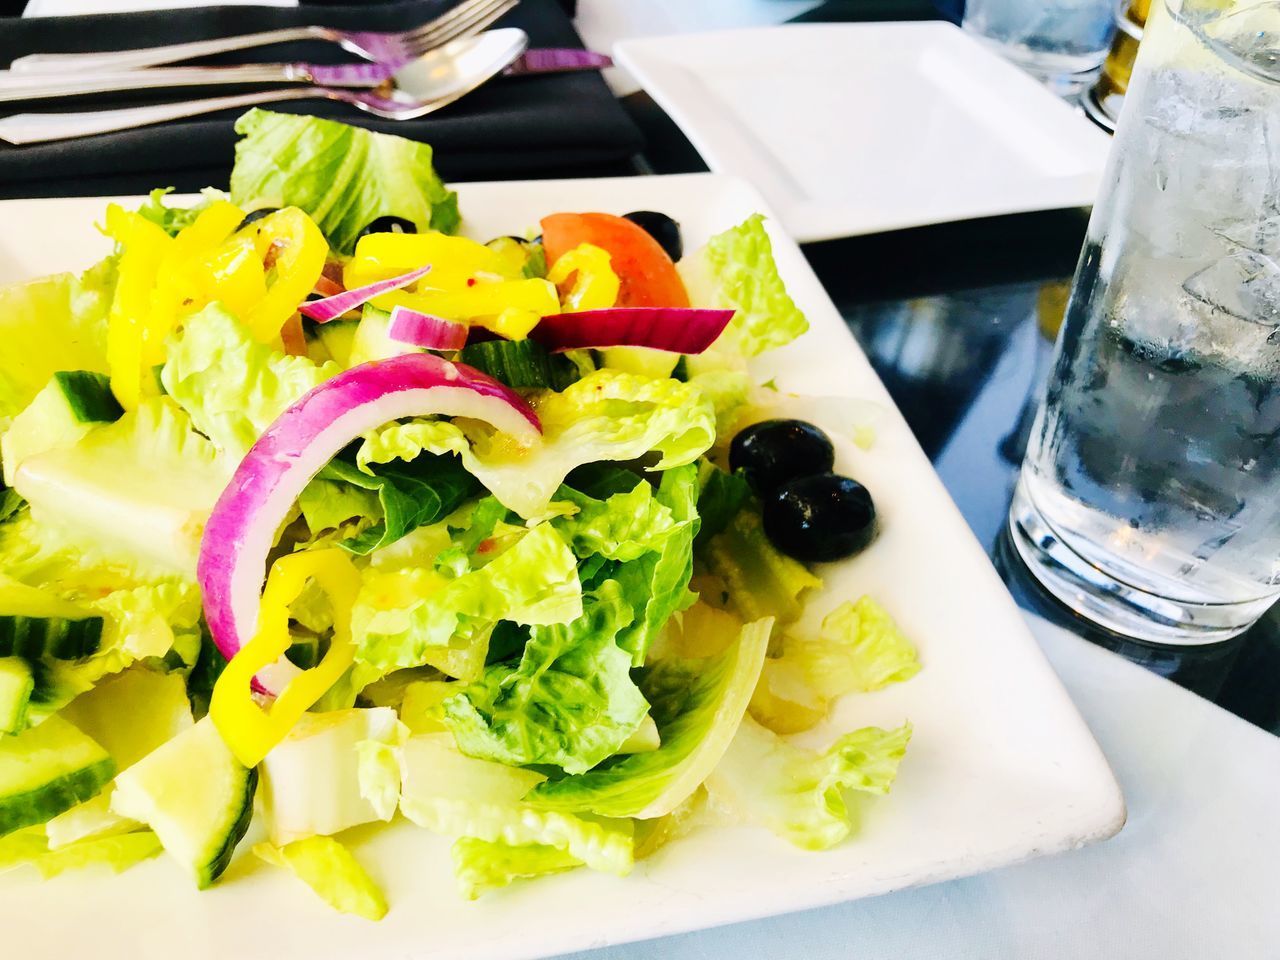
{"x": 551, "y": 125}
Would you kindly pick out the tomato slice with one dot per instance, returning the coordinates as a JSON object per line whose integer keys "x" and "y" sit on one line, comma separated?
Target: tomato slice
{"x": 646, "y": 274}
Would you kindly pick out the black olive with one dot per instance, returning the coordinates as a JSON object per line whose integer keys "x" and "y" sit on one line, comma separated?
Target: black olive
{"x": 820, "y": 518}
{"x": 254, "y": 216}
{"x": 662, "y": 228}
{"x": 389, "y": 225}
{"x": 772, "y": 452}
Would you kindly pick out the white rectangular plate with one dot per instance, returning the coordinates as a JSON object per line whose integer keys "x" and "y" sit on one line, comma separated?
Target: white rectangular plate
{"x": 850, "y": 129}
{"x": 1001, "y": 767}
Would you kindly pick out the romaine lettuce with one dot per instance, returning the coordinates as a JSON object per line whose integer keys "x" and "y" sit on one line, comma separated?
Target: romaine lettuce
{"x": 761, "y": 582}
{"x": 329, "y": 869}
{"x": 570, "y": 701}
{"x": 606, "y": 415}
{"x": 698, "y": 704}
{"x": 342, "y": 176}
{"x": 408, "y": 617}
{"x": 797, "y": 793}
{"x": 58, "y": 323}
{"x": 482, "y": 865}
{"x": 232, "y": 386}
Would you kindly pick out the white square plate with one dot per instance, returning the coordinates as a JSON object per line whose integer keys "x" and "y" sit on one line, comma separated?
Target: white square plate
{"x": 1001, "y": 767}
{"x": 859, "y": 128}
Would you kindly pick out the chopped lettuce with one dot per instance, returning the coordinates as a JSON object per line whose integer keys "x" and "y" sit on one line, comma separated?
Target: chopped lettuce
{"x": 409, "y": 617}
{"x": 410, "y": 495}
{"x": 761, "y": 582}
{"x": 482, "y": 865}
{"x": 698, "y": 704}
{"x": 797, "y": 793}
{"x": 858, "y": 649}
{"x": 459, "y": 796}
{"x": 132, "y": 713}
{"x": 570, "y": 701}
{"x": 58, "y": 323}
{"x": 173, "y": 220}
{"x": 311, "y": 780}
{"x": 720, "y": 496}
{"x": 118, "y": 853}
{"x": 736, "y": 270}
{"x": 624, "y": 527}
{"x": 657, "y": 583}
{"x": 378, "y": 774}
{"x": 329, "y": 869}
{"x": 232, "y": 386}
{"x": 91, "y": 489}
{"x": 606, "y": 415}
{"x": 342, "y": 176}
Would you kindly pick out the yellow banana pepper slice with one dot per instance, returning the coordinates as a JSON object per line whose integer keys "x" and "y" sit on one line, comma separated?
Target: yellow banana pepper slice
{"x": 596, "y": 285}
{"x": 296, "y": 250}
{"x": 251, "y": 731}
{"x": 144, "y": 246}
{"x": 456, "y": 262}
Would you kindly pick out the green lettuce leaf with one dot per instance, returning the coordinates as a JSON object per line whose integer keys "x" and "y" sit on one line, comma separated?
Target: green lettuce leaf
{"x": 657, "y": 583}
{"x": 720, "y": 496}
{"x": 173, "y": 220}
{"x": 90, "y": 490}
{"x": 118, "y": 853}
{"x": 329, "y": 869}
{"x": 344, "y": 177}
{"x": 858, "y": 649}
{"x": 761, "y": 581}
{"x": 798, "y": 793}
{"x": 232, "y": 386}
{"x": 481, "y": 865}
{"x": 570, "y": 701}
{"x": 410, "y": 495}
{"x": 58, "y": 323}
{"x": 606, "y": 415}
{"x": 459, "y": 796}
{"x": 624, "y": 527}
{"x": 408, "y": 617}
{"x": 736, "y": 270}
{"x": 335, "y": 505}
{"x": 698, "y": 704}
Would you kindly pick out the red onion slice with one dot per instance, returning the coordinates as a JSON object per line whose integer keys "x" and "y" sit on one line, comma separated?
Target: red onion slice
{"x": 426, "y": 330}
{"x": 248, "y": 515}
{"x": 674, "y": 329}
{"x": 330, "y": 308}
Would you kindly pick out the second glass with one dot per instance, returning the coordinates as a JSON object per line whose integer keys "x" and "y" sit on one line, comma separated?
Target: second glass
{"x": 1149, "y": 499}
{"x": 1062, "y": 42}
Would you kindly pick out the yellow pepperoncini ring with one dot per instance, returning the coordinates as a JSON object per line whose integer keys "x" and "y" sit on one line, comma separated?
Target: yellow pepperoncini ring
{"x": 251, "y": 731}
{"x": 456, "y": 262}
{"x": 144, "y": 246}
{"x": 297, "y": 251}
{"x": 596, "y": 285}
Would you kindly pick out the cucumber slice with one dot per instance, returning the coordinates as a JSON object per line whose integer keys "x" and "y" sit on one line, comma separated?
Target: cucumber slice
{"x": 16, "y": 684}
{"x": 520, "y": 363}
{"x": 90, "y": 820}
{"x": 196, "y": 797}
{"x": 34, "y": 624}
{"x": 61, "y": 413}
{"x": 89, "y": 396}
{"x": 337, "y": 337}
{"x": 46, "y": 770}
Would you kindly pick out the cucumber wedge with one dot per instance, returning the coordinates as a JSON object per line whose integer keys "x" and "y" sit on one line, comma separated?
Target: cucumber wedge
{"x": 16, "y": 684}
{"x": 34, "y": 624}
{"x": 62, "y": 413}
{"x": 46, "y": 770}
{"x": 196, "y": 797}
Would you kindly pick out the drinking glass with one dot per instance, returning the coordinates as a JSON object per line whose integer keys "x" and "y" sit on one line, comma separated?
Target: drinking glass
{"x": 1149, "y": 499}
{"x": 1062, "y": 42}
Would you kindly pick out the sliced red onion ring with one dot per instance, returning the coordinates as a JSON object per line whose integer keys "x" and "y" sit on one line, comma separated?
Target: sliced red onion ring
{"x": 248, "y": 515}
{"x": 426, "y": 330}
{"x": 330, "y": 308}
{"x": 675, "y": 329}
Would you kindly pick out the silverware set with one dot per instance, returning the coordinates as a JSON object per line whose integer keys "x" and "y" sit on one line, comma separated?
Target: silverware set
{"x": 410, "y": 73}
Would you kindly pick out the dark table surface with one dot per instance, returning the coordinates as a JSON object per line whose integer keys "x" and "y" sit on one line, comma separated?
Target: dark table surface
{"x": 954, "y": 319}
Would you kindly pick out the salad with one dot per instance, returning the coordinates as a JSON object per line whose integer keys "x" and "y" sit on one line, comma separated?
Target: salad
{"x": 317, "y": 513}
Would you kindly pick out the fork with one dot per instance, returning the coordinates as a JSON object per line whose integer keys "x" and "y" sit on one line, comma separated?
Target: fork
{"x": 484, "y": 58}
{"x": 470, "y": 16}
